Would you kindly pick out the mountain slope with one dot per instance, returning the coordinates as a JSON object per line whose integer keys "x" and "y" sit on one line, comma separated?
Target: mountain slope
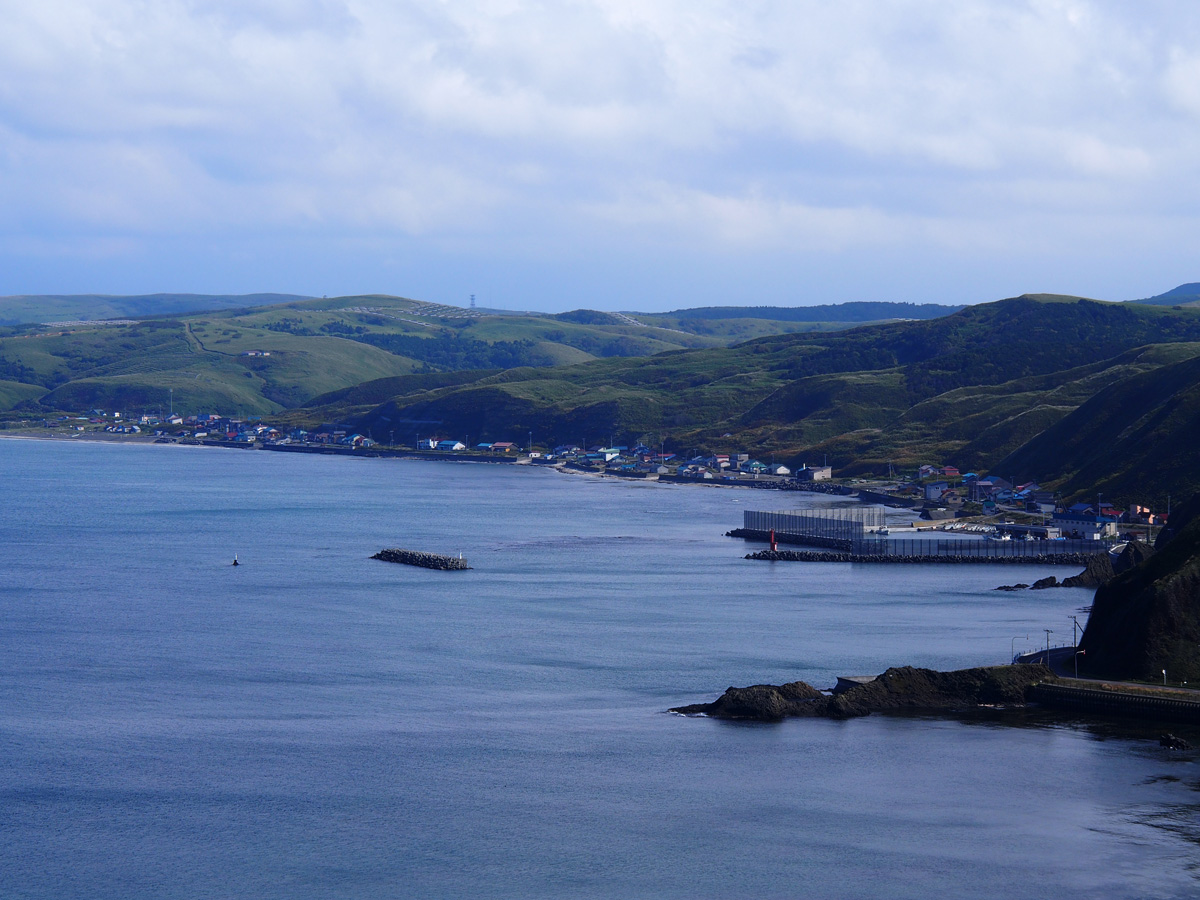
{"x": 978, "y": 383}
{"x": 1181, "y": 296}
{"x": 1124, "y": 439}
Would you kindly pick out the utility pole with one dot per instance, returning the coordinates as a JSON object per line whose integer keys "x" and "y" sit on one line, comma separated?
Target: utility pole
{"x": 1075, "y": 629}
{"x": 1048, "y": 633}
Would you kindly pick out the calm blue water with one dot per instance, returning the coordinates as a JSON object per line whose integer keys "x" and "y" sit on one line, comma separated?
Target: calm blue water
{"x": 315, "y": 724}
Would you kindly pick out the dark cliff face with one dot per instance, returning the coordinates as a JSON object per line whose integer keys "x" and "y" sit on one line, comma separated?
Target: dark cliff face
{"x": 1147, "y": 618}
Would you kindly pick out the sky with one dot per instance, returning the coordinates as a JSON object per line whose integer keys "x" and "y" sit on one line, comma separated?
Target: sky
{"x": 613, "y": 154}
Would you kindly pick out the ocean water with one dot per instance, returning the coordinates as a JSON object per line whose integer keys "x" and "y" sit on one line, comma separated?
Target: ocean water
{"x": 315, "y": 724}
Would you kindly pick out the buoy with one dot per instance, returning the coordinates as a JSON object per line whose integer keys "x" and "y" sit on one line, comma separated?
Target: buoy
{"x": 235, "y": 562}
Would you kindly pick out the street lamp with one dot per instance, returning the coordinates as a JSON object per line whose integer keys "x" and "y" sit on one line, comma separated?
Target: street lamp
{"x": 1164, "y": 677}
{"x": 1077, "y": 652}
{"x": 1013, "y": 647}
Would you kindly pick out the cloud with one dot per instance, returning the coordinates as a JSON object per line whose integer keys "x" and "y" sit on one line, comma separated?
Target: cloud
{"x": 746, "y": 126}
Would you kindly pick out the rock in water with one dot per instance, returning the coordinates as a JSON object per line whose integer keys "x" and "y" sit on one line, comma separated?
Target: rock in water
{"x": 763, "y": 702}
{"x": 1042, "y": 583}
{"x": 897, "y": 688}
{"x": 1171, "y": 742}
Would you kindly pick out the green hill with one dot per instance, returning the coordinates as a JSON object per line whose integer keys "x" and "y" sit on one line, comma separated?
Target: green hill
{"x": 28, "y": 308}
{"x": 316, "y": 346}
{"x": 1138, "y": 439}
{"x": 975, "y": 386}
{"x": 1181, "y": 296}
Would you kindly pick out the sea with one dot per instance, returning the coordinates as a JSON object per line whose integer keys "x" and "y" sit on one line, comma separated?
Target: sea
{"x": 313, "y": 723}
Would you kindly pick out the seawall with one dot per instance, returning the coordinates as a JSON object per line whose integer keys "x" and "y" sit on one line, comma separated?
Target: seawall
{"x": 844, "y": 556}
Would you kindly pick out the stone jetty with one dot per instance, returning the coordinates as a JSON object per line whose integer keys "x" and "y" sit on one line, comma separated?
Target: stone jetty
{"x": 424, "y": 560}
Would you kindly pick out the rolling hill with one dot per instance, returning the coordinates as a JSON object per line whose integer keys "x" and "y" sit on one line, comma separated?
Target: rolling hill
{"x": 35, "y": 308}
{"x": 1183, "y": 295}
{"x": 318, "y": 346}
{"x": 973, "y": 388}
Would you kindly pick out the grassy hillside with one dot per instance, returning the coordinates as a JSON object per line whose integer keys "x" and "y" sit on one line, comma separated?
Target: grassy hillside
{"x": 316, "y": 346}
{"x": 969, "y": 388}
{"x": 1122, "y": 440}
{"x": 14, "y": 392}
{"x": 25, "y": 308}
{"x": 136, "y": 367}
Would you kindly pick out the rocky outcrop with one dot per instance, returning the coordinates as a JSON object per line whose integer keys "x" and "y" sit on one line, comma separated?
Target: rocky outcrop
{"x": 766, "y": 702}
{"x": 1042, "y": 583}
{"x": 424, "y": 560}
{"x": 1099, "y": 570}
{"x": 1134, "y": 554}
{"x": 904, "y": 688}
{"x": 1147, "y": 619}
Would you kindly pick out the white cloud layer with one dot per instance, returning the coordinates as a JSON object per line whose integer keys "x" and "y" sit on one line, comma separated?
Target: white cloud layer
{"x": 427, "y": 143}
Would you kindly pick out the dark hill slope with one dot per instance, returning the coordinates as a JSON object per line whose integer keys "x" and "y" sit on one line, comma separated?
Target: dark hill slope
{"x": 1148, "y": 618}
{"x": 857, "y": 311}
{"x": 1142, "y": 431}
{"x": 1185, "y": 293}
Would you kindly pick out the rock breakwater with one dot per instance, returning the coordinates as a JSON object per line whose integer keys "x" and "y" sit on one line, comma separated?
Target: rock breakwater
{"x": 424, "y": 560}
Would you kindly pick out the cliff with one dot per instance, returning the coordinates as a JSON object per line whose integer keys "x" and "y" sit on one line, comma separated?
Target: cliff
{"x": 1147, "y": 618}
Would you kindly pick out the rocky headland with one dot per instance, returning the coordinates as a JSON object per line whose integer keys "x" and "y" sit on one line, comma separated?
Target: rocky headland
{"x": 1146, "y": 619}
{"x": 904, "y": 688}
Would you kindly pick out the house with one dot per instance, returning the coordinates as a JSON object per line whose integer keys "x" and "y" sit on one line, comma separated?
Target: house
{"x": 928, "y": 471}
{"x": 779, "y": 470}
{"x": 1084, "y": 525}
{"x": 934, "y": 490}
{"x": 753, "y": 467}
{"x": 483, "y": 446}
{"x": 504, "y": 446}
{"x": 950, "y": 472}
{"x": 426, "y": 443}
{"x": 815, "y": 473}
{"x": 450, "y": 445}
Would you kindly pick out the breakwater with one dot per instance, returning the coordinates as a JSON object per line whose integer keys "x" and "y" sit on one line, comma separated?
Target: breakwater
{"x": 424, "y": 560}
{"x": 1134, "y": 703}
{"x": 1057, "y": 559}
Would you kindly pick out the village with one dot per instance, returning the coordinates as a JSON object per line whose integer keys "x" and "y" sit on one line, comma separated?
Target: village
{"x": 942, "y": 496}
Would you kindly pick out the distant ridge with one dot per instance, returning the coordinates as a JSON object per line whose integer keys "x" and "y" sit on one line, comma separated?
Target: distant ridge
{"x": 1184, "y": 294}
{"x": 855, "y": 311}
{"x": 28, "y": 308}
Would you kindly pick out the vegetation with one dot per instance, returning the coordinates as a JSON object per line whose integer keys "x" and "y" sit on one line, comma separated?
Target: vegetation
{"x": 971, "y": 389}
{"x": 315, "y": 346}
{"x": 1077, "y": 394}
{"x": 64, "y": 307}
